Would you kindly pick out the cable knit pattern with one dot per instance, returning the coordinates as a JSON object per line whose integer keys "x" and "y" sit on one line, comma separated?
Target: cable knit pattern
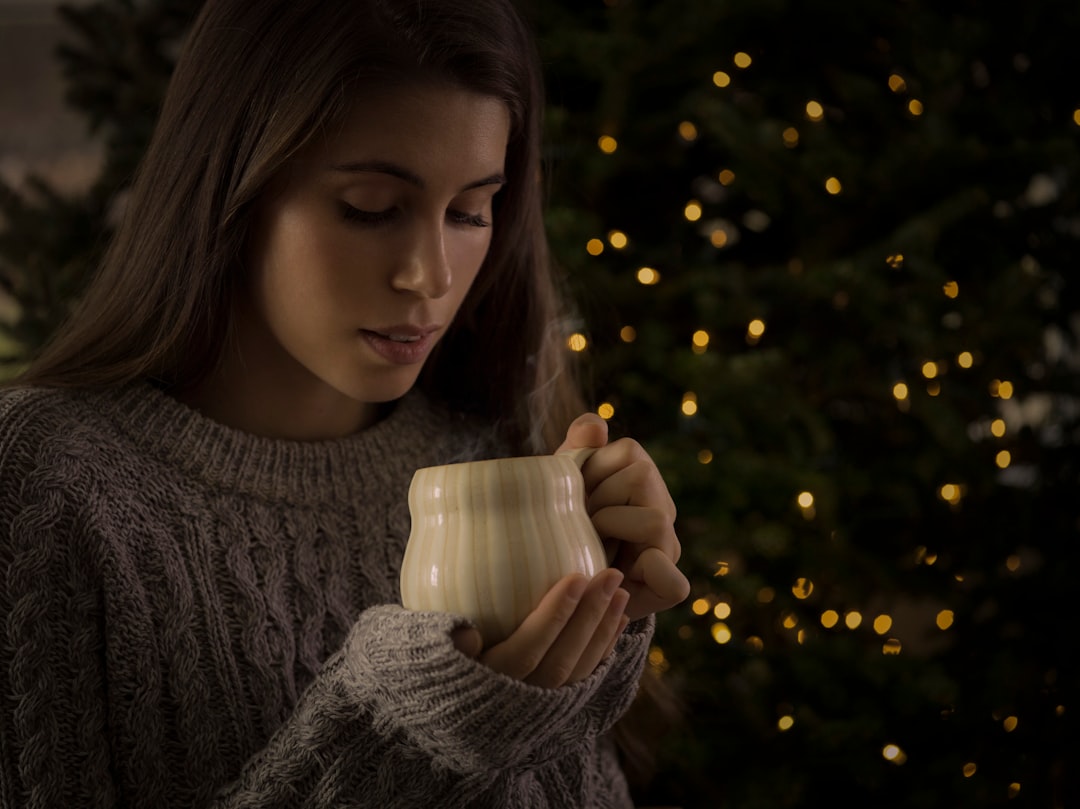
{"x": 192, "y": 616}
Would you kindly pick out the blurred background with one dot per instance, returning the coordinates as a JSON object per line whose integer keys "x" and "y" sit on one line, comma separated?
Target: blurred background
{"x": 825, "y": 256}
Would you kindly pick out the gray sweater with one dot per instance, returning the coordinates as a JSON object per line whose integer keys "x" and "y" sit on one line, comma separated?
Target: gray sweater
{"x": 193, "y": 616}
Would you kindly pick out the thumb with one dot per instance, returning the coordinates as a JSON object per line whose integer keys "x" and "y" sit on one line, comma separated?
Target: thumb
{"x": 587, "y": 430}
{"x": 467, "y": 640}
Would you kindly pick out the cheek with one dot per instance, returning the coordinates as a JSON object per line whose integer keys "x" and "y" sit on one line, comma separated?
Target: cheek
{"x": 467, "y": 253}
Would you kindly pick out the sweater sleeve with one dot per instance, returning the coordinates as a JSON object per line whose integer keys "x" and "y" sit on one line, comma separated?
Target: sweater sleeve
{"x": 399, "y": 717}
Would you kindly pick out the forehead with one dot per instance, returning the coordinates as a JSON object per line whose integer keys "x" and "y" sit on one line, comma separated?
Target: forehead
{"x": 428, "y": 127}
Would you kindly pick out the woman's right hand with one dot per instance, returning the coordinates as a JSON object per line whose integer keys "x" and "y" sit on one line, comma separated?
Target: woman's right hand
{"x": 572, "y": 629}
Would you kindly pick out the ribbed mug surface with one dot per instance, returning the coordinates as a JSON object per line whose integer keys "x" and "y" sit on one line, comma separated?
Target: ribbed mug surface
{"x": 490, "y": 538}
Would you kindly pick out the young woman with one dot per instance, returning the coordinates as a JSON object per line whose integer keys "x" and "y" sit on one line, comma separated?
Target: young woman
{"x": 330, "y": 272}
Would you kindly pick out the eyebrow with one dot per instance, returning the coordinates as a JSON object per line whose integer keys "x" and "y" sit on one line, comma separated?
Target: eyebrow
{"x": 402, "y": 173}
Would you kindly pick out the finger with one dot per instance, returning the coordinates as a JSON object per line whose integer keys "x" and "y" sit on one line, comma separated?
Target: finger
{"x": 603, "y": 640}
{"x": 467, "y": 640}
{"x": 520, "y": 654}
{"x": 638, "y": 528}
{"x": 654, "y": 584}
{"x": 624, "y": 621}
{"x": 563, "y": 656}
{"x": 622, "y": 474}
{"x": 587, "y": 430}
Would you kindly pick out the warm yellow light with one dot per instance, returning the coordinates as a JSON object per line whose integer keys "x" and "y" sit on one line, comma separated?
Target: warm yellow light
{"x": 951, "y": 289}
{"x": 895, "y": 260}
{"x": 891, "y": 647}
{"x": 882, "y": 624}
{"x": 1010, "y": 724}
{"x": 997, "y": 428}
{"x": 1014, "y": 787}
{"x": 790, "y": 620}
{"x": 791, "y": 137}
{"x": 754, "y": 643}
{"x": 1012, "y": 563}
{"x": 969, "y": 769}
{"x": 933, "y": 388}
{"x": 965, "y": 359}
{"x": 900, "y": 391}
{"x": 726, "y": 177}
{"x": 700, "y": 606}
{"x": 756, "y": 327}
{"x": 700, "y": 338}
{"x": 722, "y": 610}
{"x": 742, "y": 60}
{"x": 1003, "y": 459}
{"x": 657, "y": 659}
{"x": 897, "y": 83}
{"x": 718, "y": 237}
{"x": 805, "y": 499}
{"x": 722, "y": 568}
{"x": 802, "y": 588}
{"x": 577, "y": 342}
{"x": 607, "y": 144}
{"x": 689, "y": 404}
{"x": 606, "y": 410}
{"x": 692, "y": 211}
{"x": 594, "y": 247}
{"x": 648, "y": 276}
{"x": 893, "y": 753}
{"x": 720, "y": 632}
{"x": 915, "y": 107}
{"x": 829, "y": 618}
{"x": 950, "y": 493}
{"x": 628, "y": 334}
{"x": 766, "y": 595}
{"x": 687, "y": 131}
{"x": 705, "y": 457}
{"x": 929, "y": 370}
{"x": 814, "y": 111}
{"x": 944, "y": 619}
{"x": 1005, "y": 389}
{"x": 853, "y": 619}
{"x": 832, "y": 185}
{"x": 617, "y": 239}
{"x": 721, "y": 79}
{"x": 1076, "y": 117}
{"x": 785, "y": 722}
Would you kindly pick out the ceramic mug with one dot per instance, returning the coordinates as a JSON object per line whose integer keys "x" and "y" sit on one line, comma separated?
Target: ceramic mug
{"x": 490, "y": 538}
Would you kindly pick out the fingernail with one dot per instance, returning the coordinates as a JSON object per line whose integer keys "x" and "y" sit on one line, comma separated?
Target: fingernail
{"x": 612, "y": 584}
{"x": 577, "y": 588}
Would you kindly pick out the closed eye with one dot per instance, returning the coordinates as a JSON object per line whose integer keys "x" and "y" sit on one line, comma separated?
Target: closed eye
{"x": 373, "y": 218}
{"x": 474, "y": 220}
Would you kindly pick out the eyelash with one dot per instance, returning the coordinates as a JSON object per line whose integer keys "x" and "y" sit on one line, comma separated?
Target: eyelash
{"x": 377, "y": 218}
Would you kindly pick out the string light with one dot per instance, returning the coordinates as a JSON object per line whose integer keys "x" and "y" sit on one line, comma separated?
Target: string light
{"x": 1001, "y": 389}
{"x": 700, "y": 341}
{"x": 692, "y": 211}
{"x": 895, "y": 260}
{"x": 785, "y": 722}
{"x": 853, "y": 619}
{"x": 893, "y": 753}
{"x": 951, "y": 289}
{"x": 951, "y": 493}
{"x": 648, "y": 276}
{"x": 891, "y": 647}
{"x": 721, "y": 79}
{"x": 607, "y": 144}
{"x": 805, "y": 500}
{"x": 594, "y": 247}
{"x": 718, "y": 237}
{"x": 970, "y": 769}
{"x": 1010, "y": 723}
{"x": 997, "y": 428}
{"x": 944, "y": 619}
{"x": 628, "y": 334}
{"x": 658, "y": 660}
{"x": 915, "y": 107}
{"x": 755, "y": 329}
{"x": 814, "y": 110}
{"x": 742, "y": 60}
{"x": 722, "y": 568}
{"x": 700, "y": 606}
{"x": 617, "y": 239}
{"x": 1014, "y": 789}
{"x": 726, "y": 177}
{"x": 789, "y": 620}
{"x": 829, "y": 618}
{"x": 791, "y": 137}
{"x": 882, "y": 624}
{"x": 722, "y": 610}
{"x": 577, "y": 342}
{"x": 754, "y": 643}
{"x": 689, "y": 403}
{"x": 833, "y": 186}
{"x": 930, "y": 370}
{"x": 1076, "y": 116}
{"x": 606, "y": 411}
{"x": 897, "y": 83}
{"x": 802, "y": 588}
{"x": 900, "y": 391}
{"x": 1003, "y": 459}
{"x": 1013, "y": 563}
{"x": 705, "y": 457}
{"x": 720, "y": 632}
{"x": 687, "y": 131}
{"x": 965, "y": 359}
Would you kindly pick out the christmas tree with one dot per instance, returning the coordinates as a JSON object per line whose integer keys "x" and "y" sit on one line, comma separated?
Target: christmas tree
{"x": 822, "y": 259}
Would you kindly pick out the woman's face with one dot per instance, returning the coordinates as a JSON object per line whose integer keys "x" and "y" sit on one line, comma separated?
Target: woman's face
{"x": 361, "y": 254}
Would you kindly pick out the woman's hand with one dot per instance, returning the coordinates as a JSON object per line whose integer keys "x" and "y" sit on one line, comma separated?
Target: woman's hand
{"x": 572, "y": 629}
{"x": 630, "y": 506}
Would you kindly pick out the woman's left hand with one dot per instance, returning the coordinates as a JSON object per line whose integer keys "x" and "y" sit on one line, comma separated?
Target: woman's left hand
{"x": 630, "y": 505}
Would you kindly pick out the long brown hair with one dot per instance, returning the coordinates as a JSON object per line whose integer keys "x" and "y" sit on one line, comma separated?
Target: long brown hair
{"x": 255, "y": 81}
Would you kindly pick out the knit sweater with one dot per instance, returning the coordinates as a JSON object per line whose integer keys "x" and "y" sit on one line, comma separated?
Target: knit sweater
{"x": 193, "y": 616}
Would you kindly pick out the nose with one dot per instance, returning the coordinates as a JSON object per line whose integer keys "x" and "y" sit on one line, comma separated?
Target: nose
{"x": 424, "y": 269}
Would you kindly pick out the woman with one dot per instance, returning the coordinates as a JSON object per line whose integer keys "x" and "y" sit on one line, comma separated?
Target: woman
{"x": 331, "y": 271}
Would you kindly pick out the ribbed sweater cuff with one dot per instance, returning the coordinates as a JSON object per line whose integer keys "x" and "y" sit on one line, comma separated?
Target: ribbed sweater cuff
{"x": 469, "y": 718}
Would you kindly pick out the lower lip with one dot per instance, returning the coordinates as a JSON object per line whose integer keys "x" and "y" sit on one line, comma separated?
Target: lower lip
{"x": 397, "y": 352}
